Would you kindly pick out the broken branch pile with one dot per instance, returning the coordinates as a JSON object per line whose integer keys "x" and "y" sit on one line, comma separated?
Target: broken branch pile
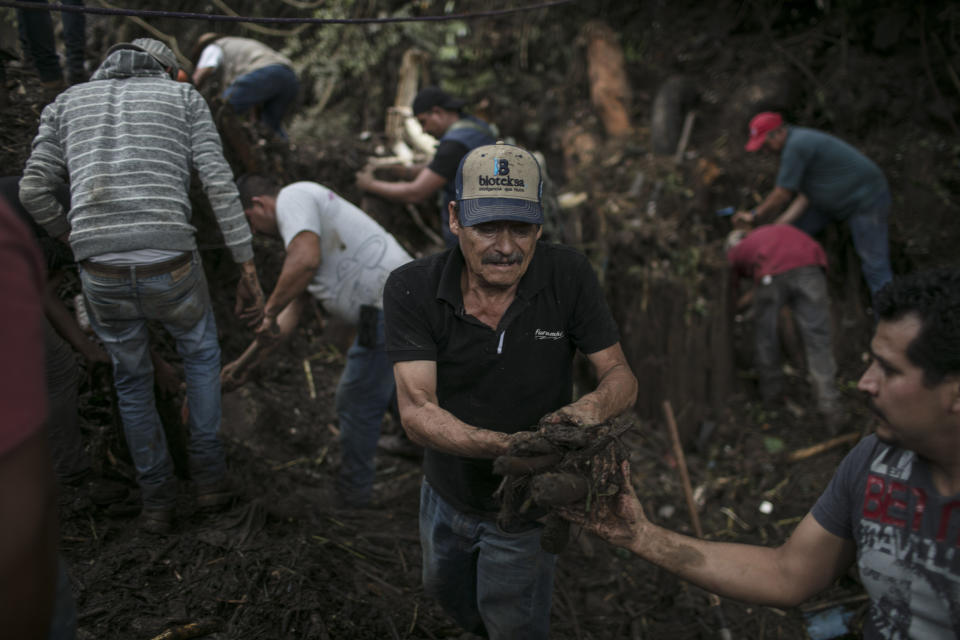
{"x": 559, "y": 464}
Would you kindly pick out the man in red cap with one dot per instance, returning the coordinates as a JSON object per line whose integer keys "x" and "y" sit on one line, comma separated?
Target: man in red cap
{"x": 824, "y": 179}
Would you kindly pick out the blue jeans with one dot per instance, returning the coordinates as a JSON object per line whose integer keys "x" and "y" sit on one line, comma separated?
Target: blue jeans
{"x": 869, "y": 229}
{"x": 804, "y": 290}
{"x": 36, "y": 31}
{"x": 119, "y": 309}
{"x": 363, "y": 396}
{"x": 273, "y": 87}
{"x": 492, "y": 583}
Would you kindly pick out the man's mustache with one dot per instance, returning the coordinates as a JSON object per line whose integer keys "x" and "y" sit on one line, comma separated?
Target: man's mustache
{"x": 513, "y": 258}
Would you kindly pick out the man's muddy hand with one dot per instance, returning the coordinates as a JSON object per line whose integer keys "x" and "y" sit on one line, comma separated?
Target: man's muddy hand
{"x": 234, "y": 375}
{"x": 618, "y": 520}
{"x": 268, "y": 332}
{"x": 584, "y": 412}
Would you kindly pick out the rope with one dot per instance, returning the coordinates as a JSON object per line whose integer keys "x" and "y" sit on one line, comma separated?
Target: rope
{"x": 147, "y": 13}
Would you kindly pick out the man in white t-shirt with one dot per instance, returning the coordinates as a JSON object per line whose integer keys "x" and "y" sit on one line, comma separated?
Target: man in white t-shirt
{"x": 342, "y": 257}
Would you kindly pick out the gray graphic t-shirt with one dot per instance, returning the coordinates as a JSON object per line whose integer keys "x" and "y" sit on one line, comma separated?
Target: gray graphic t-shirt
{"x": 357, "y": 254}
{"x": 907, "y": 537}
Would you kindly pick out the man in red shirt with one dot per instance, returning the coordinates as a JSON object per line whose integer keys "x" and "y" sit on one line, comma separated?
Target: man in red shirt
{"x": 787, "y": 267}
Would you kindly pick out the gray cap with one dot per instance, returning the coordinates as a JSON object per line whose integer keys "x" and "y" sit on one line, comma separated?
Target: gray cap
{"x": 160, "y": 52}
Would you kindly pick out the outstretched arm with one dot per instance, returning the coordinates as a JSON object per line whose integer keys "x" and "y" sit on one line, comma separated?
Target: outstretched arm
{"x": 795, "y": 210}
{"x": 775, "y": 201}
{"x": 783, "y": 576}
{"x": 428, "y": 425}
{"x": 426, "y": 183}
{"x": 237, "y": 373}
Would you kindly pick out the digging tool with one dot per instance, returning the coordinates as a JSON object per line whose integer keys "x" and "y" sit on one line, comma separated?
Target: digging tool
{"x": 692, "y": 506}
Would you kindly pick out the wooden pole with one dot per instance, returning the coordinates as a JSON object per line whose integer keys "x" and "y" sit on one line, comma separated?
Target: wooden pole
{"x": 724, "y": 632}
{"x": 682, "y": 463}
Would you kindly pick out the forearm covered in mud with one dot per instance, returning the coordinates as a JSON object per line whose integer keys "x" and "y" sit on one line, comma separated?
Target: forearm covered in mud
{"x": 433, "y": 427}
{"x": 429, "y": 425}
{"x": 783, "y": 576}
{"x": 615, "y": 393}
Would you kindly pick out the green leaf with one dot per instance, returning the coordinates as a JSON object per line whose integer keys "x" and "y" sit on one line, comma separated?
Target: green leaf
{"x": 773, "y": 444}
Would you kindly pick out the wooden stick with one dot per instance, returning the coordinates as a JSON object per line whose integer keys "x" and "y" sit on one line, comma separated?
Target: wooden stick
{"x": 724, "y": 632}
{"x": 809, "y": 452}
{"x": 192, "y": 630}
{"x": 684, "y": 136}
{"x": 682, "y": 464}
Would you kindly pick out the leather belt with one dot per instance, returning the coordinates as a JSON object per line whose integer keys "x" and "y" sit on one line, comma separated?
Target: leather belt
{"x": 140, "y": 271}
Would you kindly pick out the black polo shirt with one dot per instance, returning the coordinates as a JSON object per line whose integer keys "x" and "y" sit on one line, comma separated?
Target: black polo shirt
{"x": 504, "y": 379}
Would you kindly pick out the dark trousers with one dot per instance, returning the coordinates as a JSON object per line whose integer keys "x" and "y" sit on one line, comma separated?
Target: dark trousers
{"x": 804, "y": 290}
{"x": 36, "y": 34}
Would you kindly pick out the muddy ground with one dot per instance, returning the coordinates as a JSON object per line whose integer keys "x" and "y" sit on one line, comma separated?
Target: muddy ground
{"x": 283, "y": 562}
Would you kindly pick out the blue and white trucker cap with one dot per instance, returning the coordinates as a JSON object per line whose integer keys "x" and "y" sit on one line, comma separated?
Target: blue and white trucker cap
{"x": 499, "y": 182}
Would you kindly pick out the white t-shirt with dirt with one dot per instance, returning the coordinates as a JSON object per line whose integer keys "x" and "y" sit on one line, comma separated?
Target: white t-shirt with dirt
{"x": 357, "y": 254}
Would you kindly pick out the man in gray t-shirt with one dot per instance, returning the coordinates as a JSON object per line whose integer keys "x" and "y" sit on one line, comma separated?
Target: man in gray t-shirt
{"x": 342, "y": 257}
{"x": 825, "y": 180}
{"x": 893, "y": 506}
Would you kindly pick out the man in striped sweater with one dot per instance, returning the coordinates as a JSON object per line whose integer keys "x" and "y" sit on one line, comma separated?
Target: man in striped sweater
{"x": 126, "y": 141}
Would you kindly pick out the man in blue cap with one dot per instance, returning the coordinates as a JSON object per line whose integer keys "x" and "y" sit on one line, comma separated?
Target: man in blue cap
{"x": 483, "y": 337}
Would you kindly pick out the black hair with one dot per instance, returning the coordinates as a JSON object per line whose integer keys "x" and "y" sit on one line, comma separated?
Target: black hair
{"x": 252, "y": 185}
{"x": 933, "y": 296}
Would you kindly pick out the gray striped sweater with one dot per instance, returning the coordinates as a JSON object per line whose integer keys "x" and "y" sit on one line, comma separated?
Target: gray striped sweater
{"x": 126, "y": 142}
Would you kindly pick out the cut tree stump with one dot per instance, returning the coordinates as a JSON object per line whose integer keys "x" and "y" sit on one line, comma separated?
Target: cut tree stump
{"x": 609, "y": 87}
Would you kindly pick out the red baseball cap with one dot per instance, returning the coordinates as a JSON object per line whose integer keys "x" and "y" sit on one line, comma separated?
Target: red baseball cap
{"x": 760, "y": 125}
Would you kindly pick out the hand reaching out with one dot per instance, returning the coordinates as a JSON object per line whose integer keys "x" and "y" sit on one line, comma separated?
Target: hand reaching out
{"x": 619, "y": 520}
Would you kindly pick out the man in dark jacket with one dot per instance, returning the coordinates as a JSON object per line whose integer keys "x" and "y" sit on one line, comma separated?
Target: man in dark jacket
{"x": 441, "y": 116}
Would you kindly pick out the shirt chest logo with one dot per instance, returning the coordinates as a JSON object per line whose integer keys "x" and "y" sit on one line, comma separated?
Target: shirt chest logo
{"x": 543, "y": 334}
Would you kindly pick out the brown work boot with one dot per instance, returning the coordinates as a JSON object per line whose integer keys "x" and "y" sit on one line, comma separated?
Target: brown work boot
{"x": 157, "y": 520}
{"x": 216, "y": 495}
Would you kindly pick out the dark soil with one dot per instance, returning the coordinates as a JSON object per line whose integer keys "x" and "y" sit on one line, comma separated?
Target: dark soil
{"x": 283, "y": 562}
